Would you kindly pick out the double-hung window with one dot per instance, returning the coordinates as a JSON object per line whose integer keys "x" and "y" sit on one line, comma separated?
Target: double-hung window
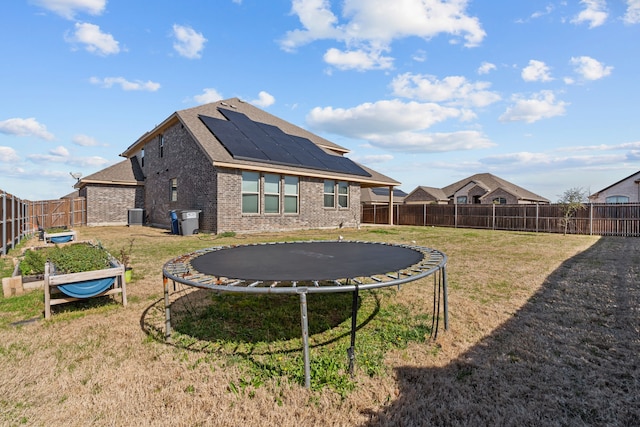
{"x": 291, "y": 194}
{"x": 343, "y": 195}
{"x": 250, "y": 192}
{"x": 271, "y": 193}
{"x": 329, "y": 193}
{"x": 174, "y": 189}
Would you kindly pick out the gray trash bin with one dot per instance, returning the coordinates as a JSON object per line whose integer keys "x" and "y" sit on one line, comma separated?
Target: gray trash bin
{"x": 189, "y": 222}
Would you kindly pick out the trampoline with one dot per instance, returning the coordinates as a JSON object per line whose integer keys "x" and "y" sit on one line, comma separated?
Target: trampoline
{"x": 310, "y": 267}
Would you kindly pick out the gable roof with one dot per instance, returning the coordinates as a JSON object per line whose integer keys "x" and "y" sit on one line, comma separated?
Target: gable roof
{"x": 595, "y": 195}
{"x": 126, "y": 172}
{"x": 381, "y": 195}
{"x": 436, "y": 193}
{"x": 490, "y": 183}
{"x": 220, "y": 156}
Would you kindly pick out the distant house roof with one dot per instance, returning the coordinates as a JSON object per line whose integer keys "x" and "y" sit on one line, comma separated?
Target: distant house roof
{"x": 595, "y": 195}
{"x": 436, "y": 193}
{"x": 126, "y": 172}
{"x": 380, "y": 195}
{"x": 221, "y": 156}
{"x": 490, "y": 183}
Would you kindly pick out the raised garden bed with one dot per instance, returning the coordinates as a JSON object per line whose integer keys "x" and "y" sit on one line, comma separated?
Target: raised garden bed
{"x": 75, "y": 272}
{"x": 60, "y": 236}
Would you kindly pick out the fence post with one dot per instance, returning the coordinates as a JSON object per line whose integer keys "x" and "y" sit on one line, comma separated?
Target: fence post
{"x": 424, "y": 215}
{"x": 537, "y": 215}
{"x": 590, "y": 219}
{"x": 493, "y": 215}
{"x": 455, "y": 216}
{"x": 4, "y": 223}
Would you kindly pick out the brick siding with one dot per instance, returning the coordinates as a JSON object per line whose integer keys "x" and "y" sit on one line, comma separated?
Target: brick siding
{"x": 110, "y": 204}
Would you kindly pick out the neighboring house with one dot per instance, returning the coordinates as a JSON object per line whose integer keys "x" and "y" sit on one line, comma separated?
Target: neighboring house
{"x": 483, "y": 188}
{"x": 627, "y": 190}
{"x": 245, "y": 170}
{"x": 111, "y": 192}
{"x": 380, "y": 196}
{"x": 426, "y": 195}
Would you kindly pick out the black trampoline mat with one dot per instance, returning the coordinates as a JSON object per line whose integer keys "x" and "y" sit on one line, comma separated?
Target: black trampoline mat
{"x": 306, "y": 261}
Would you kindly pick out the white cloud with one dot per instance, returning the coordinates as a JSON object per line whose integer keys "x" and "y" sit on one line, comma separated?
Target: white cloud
{"x": 360, "y": 60}
{"x": 370, "y": 159}
{"x": 62, "y": 155}
{"x": 85, "y": 141}
{"x": 25, "y": 127}
{"x": 536, "y": 71}
{"x": 397, "y": 125}
{"x": 189, "y": 43}
{"x": 8, "y": 155}
{"x": 69, "y": 8}
{"x": 486, "y": 68}
{"x": 589, "y": 68}
{"x": 417, "y": 142}
{"x": 209, "y": 95}
{"x": 542, "y": 105}
{"x": 632, "y": 16}
{"x": 453, "y": 90}
{"x": 372, "y": 25}
{"x": 94, "y": 39}
{"x": 125, "y": 84}
{"x": 265, "y": 99}
{"x": 594, "y": 13}
{"x": 381, "y": 117}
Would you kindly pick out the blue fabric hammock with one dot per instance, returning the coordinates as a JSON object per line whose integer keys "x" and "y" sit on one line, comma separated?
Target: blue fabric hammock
{"x": 87, "y": 288}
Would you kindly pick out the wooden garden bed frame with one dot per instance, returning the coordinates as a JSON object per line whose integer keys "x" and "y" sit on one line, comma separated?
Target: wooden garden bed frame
{"x": 52, "y": 281}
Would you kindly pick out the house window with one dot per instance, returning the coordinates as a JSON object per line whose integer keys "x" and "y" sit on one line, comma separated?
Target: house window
{"x": 271, "y": 194}
{"x": 617, "y": 199}
{"x": 174, "y": 189}
{"x": 291, "y": 194}
{"x": 142, "y": 157}
{"x": 499, "y": 201}
{"x": 329, "y": 193}
{"x": 250, "y": 192}
{"x": 461, "y": 200}
{"x": 343, "y": 194}
{"x": 161, "y": 144}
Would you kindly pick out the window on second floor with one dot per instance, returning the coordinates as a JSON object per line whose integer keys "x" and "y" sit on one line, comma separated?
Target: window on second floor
{"x": 174, "y": 189}
{"x": 617, "y": 199}
{"x": 161, "y": 144}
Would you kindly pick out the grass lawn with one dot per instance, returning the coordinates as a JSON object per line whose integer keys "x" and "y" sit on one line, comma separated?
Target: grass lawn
{"x": 236, "y": 359}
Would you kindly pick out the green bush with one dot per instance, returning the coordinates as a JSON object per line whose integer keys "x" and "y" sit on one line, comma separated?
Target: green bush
{"x": 67, "y": 259}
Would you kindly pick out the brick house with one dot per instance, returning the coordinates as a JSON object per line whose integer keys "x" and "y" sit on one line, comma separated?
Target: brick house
{"x": 111, "y": 192}
{"x": 245, "y": 170}
{"x": 627, "y": 190}
{"x": 483, "y": 188}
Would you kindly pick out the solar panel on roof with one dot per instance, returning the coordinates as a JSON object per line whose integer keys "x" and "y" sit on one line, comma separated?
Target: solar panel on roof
{"x": 245, "y": 139}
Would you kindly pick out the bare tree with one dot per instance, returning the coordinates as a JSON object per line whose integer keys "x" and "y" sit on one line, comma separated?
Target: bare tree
{"x": 571, "y": 201}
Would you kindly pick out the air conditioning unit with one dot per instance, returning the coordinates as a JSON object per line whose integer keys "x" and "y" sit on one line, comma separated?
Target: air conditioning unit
{"x": 136, "y": 217}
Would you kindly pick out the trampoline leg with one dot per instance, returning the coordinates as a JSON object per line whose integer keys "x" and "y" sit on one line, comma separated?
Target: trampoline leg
{"x": 305, "y": 339}
{"x": 351, "y": 351}
{"x": 167, "y": 309}
{"x": 445, "y": 299}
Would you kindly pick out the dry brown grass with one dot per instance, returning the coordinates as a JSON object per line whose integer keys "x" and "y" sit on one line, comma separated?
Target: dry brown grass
{"x": 543, "y": 331}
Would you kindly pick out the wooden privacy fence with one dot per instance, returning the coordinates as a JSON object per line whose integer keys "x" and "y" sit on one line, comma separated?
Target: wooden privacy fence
{"x": 21, "y": 218}
{"x": 598, "y": 219}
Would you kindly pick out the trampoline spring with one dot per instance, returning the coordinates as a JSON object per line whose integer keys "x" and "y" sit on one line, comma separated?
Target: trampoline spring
{"x": 337, "y": 282}
{"x": 316, "y": 284}
{"x": 254, "y": 284}
{"x": 376, "y": 279}
{"x": 237, "y": 282}
{"x": 274, "y": 284}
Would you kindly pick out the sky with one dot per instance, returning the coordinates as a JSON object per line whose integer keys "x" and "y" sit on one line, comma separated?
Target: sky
{"x": 543, "y": 94}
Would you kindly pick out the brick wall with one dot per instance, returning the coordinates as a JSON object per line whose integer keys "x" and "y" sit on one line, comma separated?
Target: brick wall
{"x": 311, "y": 214}
{"x": 110, "y": 204}
{"x": 182, "y": 159}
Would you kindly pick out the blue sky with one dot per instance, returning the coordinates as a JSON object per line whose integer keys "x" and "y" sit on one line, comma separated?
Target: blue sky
{"x": 541, "y": 93}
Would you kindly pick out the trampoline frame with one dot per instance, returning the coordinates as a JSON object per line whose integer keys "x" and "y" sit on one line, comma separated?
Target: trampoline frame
{"x": 433, "y": 263}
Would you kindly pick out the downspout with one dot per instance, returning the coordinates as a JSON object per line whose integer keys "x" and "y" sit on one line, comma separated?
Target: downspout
{"x": 391, "y": 205}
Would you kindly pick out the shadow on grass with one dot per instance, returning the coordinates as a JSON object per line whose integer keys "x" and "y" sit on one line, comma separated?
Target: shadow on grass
{"x": 243, "y": 324}
{"x": 567, "y": 357}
